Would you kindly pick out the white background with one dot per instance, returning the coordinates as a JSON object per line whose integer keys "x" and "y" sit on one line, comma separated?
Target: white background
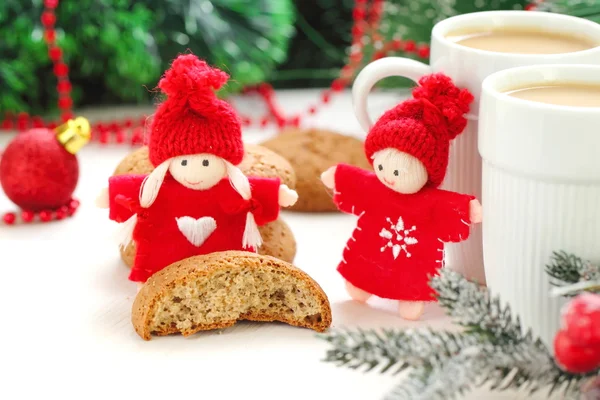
{"x": 66, "y": 304}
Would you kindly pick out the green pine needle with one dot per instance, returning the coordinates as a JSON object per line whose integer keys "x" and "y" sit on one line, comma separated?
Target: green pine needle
{"x": 567, "y": 270}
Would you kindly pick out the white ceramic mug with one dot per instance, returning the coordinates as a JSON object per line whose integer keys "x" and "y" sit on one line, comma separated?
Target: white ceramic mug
{"x": 541, "y": 187}
{"x": 468, "y": 68}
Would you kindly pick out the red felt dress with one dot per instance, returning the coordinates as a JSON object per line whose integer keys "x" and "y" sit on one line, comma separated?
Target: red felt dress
{"x": 398, "y": 242}
{"x": 160, "y": 239}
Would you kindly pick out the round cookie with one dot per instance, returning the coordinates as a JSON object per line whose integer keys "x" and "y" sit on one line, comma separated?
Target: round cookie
{"x": 136, "y": 162}
{"x": 188, "y": 296}
{"x": 278, "y": 239}
{"x": 311, "y": 152}
{"x": 128, "y": 253}
{"x": 260, "y": 161}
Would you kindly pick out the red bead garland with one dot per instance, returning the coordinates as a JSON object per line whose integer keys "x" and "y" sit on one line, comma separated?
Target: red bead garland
{"x": 26, "y": 216}
{"x": 61, "y": 70}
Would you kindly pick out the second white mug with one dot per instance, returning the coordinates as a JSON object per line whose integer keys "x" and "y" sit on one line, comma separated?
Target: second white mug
{"x": 541, "y": 186}
{"x": 468, "y": 67}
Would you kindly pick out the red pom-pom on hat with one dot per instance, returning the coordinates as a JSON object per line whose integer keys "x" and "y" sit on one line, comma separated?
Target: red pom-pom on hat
{"x": 451, "y": 101}
{"x": 424, "y": 125}
{"x": 192, "y": 79}
{"x": 193, "y": 120}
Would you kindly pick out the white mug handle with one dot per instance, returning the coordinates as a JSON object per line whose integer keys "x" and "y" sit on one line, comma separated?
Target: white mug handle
{"x": 376, "y": 71}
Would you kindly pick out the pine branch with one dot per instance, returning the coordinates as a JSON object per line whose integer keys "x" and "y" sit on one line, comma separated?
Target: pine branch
{"x": 388, "y": 349}
{"x": 491, "y": 350}
{"x": 523, "y": 366}
{"x": 510, "y": 348}
{"x": 447, "y": 364}
{"x": 569, "y": 272}
{"x": 438, "y": 359}
{"x": 450, "y": 380}
{"x": 472, "y": 307}
{"x": 411, "y": 387}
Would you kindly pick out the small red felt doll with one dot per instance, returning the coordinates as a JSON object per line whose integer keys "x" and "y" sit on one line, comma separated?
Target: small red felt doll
{"x": 404, "y": 219}
{"x": 196, "y": 201}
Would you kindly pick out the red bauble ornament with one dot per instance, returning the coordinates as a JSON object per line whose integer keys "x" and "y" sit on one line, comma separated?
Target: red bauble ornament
{"x": 39, "y": 169}
{"x": 575, "y": 358}
{"x": 581, "y": 319}
{"x": 37, "y": 172}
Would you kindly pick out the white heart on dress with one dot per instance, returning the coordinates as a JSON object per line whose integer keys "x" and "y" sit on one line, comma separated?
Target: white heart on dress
{"x": 196, "y": 230}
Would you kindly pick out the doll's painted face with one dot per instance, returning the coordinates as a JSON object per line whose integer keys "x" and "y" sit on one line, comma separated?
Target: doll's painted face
{"x": 399, "y": 171}
{"x": 198, "y": 171}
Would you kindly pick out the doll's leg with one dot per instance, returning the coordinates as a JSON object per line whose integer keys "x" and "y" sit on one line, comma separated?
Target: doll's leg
{"x": 356, "y": 293}
{"x": 411, "y": 310}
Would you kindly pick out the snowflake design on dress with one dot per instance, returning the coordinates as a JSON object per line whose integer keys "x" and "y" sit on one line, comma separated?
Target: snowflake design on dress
{"x": 398, "y": 237}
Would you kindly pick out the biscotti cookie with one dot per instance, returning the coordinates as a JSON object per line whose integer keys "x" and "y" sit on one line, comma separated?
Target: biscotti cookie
{"x": 311, "y": 152}
{"x": 278, "y": 239}
{"x": 214, "y": 291}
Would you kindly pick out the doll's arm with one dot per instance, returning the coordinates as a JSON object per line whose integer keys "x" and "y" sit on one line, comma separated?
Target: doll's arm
{"x": 265, "y": 199}
{"x": 453, "y": 214}
{"x": 102, "y": 201}
{"x": 123, "y": 196}
{"x": 475, "y": 211}
{"x": 353, "y": 188}
{"x": 287, "y": 197}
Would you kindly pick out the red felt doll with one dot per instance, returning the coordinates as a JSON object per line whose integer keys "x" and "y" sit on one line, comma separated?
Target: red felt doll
{"x": 196, "y": 201}
{"x": 404, "y": 219}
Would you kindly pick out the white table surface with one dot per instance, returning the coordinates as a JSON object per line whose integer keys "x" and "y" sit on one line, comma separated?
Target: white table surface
{"x": 66, "y": 304}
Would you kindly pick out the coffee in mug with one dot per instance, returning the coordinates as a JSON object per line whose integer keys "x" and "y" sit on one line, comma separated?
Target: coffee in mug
{"x": 521, "y": 41}
{"x": 574, "y": 95}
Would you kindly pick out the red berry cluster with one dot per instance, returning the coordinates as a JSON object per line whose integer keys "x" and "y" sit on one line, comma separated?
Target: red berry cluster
{"x": 577, "y": 344}
{"x": 10, "y": 218}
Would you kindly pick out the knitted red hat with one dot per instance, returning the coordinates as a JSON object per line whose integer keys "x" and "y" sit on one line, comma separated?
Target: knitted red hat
{"x": 423, "y": 126}
{"x": 192, "y": 119}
